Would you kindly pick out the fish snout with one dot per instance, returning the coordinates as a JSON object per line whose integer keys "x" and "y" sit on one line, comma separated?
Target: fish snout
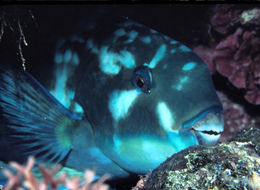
{"x": 207, "y": 126}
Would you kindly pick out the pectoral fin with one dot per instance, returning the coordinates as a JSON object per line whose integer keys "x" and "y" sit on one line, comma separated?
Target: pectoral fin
{"x": 32, "y": 121}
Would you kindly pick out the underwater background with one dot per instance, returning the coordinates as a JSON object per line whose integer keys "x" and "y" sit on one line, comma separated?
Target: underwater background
{"x": 227, "y": 37}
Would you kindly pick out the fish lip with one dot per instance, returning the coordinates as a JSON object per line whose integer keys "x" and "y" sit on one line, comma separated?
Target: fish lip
{"x": 206, "y": 126}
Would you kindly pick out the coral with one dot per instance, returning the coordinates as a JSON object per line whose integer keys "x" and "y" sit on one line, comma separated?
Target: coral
{"x": 140, "y": 184}
{"x": 234, "y": 52}
{"x": 48, "y": 178}
{"x": 233, "y": 165}
{"x": 224, "y": 18}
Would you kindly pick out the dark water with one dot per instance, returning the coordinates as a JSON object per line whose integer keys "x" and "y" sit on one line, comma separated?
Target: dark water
{"x": 184, "y": 23}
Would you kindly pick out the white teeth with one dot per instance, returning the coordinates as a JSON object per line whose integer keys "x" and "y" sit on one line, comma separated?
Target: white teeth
{"x": 205, "y": 138}
{"x": 208, "y": 129}
{"x": 212, "y": 122}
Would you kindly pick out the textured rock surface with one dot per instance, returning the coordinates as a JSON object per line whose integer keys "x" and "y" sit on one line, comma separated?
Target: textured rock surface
{"x": 233, "y": 165}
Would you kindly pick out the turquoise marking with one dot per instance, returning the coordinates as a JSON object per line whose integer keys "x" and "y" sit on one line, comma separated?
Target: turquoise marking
{"x": 120, "y": 32}
{"x": 142, "y": 152}
{"x": 173, "y": 42}
{"x": 145, "y": 64}
{"x": 146, "y": 39}
{"x": 158, "y": 56}
{"x": 127, "y": 59}
{"x": 153, "y": 31}
{"x": 132, "y": 36}
{"x": 117, "y": 141}
{"x": 166, "y": 38}
{"x": 165, "y": 66}
{"x": 184, "y": 48}
{"x": 67, "y": 56}
{"x": 58, "y": 58}
{"x": 59, "y": 90}
{"x": 165, "y": 116}
{"x": 131, "y": 23}
{"x": 62, "y": 75}
{"x": 178, "y": 87}
{"x": 78, "y": 108}
{"x": 173, "y": 51}
{"x": 120, "y": 102}
{"x": 108, "y": 62}
{"x": 182, "y": 81}
{"x": 155, "y": 154}
{"x": 189, "y": 66}
{"x": 90, "y": 45}
{"x": 75, "y": 59}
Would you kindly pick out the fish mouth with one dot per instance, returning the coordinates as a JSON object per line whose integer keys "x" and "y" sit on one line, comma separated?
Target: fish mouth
{"x": 206, "y": 126}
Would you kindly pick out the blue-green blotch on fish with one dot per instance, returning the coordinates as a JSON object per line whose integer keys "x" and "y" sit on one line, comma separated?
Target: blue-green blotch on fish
{"x": 120, "y": 103}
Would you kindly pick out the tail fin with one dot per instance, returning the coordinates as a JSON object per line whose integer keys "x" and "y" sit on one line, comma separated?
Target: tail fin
{"x": 32, "y": 121}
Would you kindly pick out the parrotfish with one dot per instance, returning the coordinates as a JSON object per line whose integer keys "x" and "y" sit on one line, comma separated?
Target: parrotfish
{"x": 120, "y": 103}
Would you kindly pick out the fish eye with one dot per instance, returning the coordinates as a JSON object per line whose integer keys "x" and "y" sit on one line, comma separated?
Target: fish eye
{"x": 139, "y": 82}
{"x": 142, "y": 79}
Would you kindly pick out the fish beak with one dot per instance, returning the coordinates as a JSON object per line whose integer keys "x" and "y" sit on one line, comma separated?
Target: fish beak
{"x": 207, "y": 126}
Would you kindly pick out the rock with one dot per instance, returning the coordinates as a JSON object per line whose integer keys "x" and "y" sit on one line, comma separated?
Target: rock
{"x": 233, "y": 165}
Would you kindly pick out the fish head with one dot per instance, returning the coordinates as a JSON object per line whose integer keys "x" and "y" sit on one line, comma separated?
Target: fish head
{"x": 151, "y": 97}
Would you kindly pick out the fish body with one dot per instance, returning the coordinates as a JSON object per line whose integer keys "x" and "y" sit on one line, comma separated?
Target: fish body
{"x": 119, "y": 103}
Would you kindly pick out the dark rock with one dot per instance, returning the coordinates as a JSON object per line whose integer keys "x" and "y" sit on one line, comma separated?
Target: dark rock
{"x": 232, "y": 165}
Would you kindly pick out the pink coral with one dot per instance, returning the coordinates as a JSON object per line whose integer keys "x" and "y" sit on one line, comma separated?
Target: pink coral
{"x": 15, "y": 181}
{"x": 236, "y": 55}
{"x": 141, "y": 183}
{"x": 224, "y": 18}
